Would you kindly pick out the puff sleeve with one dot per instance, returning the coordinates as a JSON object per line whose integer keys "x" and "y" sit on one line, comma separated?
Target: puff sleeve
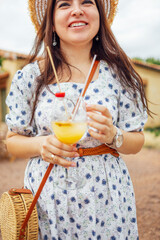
{"x": 20, "y": 102}
{"x": 132, "y": 116}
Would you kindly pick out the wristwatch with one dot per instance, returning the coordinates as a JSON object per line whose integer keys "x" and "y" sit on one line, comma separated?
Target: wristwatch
{"x": 117, "y": 140}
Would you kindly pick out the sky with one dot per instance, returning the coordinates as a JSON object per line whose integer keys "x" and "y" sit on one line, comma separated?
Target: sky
{"x": 136, "y": 27}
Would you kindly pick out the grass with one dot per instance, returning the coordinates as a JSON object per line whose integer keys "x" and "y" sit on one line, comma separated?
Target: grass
{"x": 152, "y": 137}
{"x": 154, "y": 130}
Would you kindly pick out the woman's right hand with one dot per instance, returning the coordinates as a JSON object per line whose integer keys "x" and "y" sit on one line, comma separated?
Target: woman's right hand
{"x": 54, "y": 151}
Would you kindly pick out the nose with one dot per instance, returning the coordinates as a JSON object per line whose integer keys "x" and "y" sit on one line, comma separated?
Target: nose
{"x": 77, "y": 10}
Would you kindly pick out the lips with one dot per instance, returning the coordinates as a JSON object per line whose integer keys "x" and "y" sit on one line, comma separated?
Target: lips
{"x": 77, "y": 24}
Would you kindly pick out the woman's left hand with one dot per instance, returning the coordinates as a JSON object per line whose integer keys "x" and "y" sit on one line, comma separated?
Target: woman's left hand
{"x": 101, "y": 120}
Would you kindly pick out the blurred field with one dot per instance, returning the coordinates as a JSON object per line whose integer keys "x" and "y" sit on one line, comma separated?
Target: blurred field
{"x": 144, "y": 169}
{"x": 152, "y": 141}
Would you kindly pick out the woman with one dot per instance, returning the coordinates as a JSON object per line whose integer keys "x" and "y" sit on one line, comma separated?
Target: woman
{"x": 104, "y": 208}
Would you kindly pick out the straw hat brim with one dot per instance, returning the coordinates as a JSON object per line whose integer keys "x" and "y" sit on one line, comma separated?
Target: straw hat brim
{"x": 37, "y": 10}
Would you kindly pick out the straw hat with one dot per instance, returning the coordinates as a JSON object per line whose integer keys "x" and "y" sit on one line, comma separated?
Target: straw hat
{"x": 37, "y": 10}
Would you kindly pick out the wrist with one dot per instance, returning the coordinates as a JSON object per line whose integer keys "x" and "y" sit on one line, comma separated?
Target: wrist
{"x": 113, "y": 135}
{"x": 117, "y": 139}
{"x": 40, "y": 141}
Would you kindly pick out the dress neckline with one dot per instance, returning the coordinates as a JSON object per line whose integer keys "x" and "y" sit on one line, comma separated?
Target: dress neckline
{"x": 93, "y": 81}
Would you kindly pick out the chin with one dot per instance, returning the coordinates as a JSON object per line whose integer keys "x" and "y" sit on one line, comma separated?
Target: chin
{"x": 80, "y": 42}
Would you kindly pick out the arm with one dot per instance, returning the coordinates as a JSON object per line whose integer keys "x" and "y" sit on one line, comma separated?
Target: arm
{"x": 132, "y": 143}
{"x": 25, "y": 147}
{"x": 101, "y": 120}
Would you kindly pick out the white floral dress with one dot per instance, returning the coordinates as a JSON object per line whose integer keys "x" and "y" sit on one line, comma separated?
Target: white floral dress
{"x": 104, "y": 207}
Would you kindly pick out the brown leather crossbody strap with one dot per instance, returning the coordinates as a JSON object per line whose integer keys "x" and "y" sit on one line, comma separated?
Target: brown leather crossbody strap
{"x": 88, "y": 82}
{"x": 90, "y": 76}
{"x": 22, "y": 230}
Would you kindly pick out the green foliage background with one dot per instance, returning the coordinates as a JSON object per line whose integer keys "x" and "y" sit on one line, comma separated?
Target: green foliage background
{"x": 148, "y": 60}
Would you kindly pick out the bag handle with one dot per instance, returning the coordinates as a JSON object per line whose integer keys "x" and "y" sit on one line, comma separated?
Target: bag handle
{"x": 22, "y": 230}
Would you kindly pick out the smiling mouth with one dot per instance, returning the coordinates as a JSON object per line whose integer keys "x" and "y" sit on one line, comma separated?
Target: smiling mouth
{"x": 80, "y": 24}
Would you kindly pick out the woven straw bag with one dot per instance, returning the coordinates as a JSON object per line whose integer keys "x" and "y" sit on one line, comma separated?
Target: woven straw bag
{"x": 18, "y": 213}
{"x": 13, "y": 209}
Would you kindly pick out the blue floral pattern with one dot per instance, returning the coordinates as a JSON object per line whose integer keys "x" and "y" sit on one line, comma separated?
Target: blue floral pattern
{"x": 104, "y": 208}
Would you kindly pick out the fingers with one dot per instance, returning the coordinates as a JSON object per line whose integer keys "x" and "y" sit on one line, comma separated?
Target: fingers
{"x": 101, "y": 120}
{"x": 97, "y": 117}
{"x": 100, "y": 127}
{"x": 56, "y": 143}
{"x": 53, "y": 147}
{"x": 59, "y": 152}
{"x": 99, "y": 108}
{"x": 97, "y": 135}
{"x": 59, "y": 161}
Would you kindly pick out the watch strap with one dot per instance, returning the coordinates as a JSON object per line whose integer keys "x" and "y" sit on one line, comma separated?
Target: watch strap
{"x": 115, "y": 138}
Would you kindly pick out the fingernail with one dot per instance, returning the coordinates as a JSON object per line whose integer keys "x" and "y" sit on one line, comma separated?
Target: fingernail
{"x": 76, "y": 155}
{"x": 73, "y": 165}
{"x": 75, "y": 149}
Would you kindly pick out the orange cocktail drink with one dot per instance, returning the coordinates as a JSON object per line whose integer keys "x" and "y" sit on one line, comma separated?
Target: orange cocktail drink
{"x": 69, "y": 132}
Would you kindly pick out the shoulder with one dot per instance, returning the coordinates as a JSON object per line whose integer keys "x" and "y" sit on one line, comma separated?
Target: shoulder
{"x": 27, "y": 74}
{"x": 31, "y": 70}
{"x": 107, "y": 69}
{"x": 109, "y": 74}
{"x": 24, "y": 80}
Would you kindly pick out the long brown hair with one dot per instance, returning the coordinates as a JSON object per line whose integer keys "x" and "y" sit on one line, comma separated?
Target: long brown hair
{"x": 106, "y": 48}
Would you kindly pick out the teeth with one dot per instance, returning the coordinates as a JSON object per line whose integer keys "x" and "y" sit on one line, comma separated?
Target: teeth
{"x": 77, "y": 24}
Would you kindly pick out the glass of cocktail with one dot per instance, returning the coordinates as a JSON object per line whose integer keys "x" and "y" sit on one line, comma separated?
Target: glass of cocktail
{"x": 69, "y": 128}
